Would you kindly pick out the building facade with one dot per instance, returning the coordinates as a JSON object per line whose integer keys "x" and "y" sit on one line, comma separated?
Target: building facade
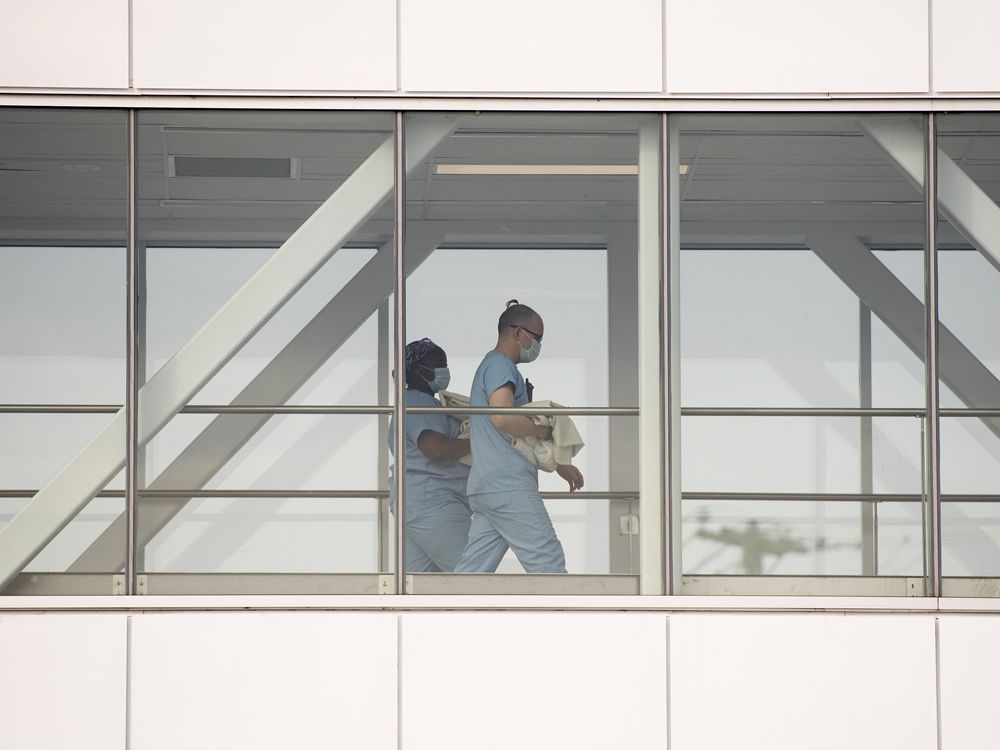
{"x": 764, "y": 239}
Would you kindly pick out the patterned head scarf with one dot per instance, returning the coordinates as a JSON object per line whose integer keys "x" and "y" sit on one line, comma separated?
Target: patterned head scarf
{"x": 416, "y": 351}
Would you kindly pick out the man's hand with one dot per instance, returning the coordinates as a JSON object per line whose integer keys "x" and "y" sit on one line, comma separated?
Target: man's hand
{"x": 571, "y": 474}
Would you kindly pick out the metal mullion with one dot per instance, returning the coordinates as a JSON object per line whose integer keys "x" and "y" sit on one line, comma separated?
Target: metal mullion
{"x": 932, "y": 443}
{"x": 384, "y": 516}
{"x": 399, "y": 345}
{"x": 132, "y": 363}
{"x": 869, "y": 510}
{"x": 671, "y": 366}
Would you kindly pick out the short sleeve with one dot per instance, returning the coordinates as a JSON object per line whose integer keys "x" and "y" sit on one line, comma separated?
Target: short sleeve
{"x": 499, "y": 371}
{"x": 416, "y": 424}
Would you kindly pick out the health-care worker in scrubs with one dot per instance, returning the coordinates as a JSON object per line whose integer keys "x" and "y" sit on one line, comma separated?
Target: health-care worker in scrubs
{"x": 508, "y": 512}
{"x": 437, "y": 508}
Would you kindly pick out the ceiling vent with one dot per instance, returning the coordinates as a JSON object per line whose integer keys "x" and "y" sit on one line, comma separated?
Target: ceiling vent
{"x": 235, "y": 166}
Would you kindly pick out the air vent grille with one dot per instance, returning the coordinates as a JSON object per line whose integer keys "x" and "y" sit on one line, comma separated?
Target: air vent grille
{"x": 233, "y": 166}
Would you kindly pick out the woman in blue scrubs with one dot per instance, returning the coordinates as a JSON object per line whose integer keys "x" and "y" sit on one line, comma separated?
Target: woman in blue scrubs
{"x": 437, "y": 507}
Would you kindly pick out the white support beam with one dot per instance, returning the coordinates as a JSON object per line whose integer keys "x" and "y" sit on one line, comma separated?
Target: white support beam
{"x": 225, "y": 435}
{"x": 966, "y": 205}
{"x": 302, "y": 254}
{"x": 896, "y": 306}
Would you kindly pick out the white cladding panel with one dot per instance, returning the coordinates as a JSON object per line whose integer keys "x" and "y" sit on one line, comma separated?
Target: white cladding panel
{"x": 531, "y": 46}
{"x": 533, "y": 680}
{"x": 780, "y": 681}
{"x": 966, "y": 54}
{"x": 62, "y": 683}
{"x": 970, "y": 663}
{"x": 292, "y": 45}
{"x": 264, "y": 681}
{"x": 64, "y": 44}
{"x": 790, "y": 46}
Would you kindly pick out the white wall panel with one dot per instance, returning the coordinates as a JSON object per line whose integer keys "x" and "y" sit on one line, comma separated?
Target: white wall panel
{"x": 62, "y": 681}
{"x": 966, "y": 53}
{"x": 790, "y": 46}
{"x": 273, "y": 680}
{"x": 526, "y": 45}
{"x": 970, "y": 663}
{"x": 533, "y": 680}
{"x": 795, "y": 681}
{"x": 337, "y": 45}
{"x": 64, "y": 44}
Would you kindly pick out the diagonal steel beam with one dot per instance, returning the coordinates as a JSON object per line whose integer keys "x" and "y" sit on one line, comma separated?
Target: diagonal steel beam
{"x": 225, "y": 435}
{"x": 903, "y": 313}
{"x": 966, "y": 205}
{"x": 302, "y": 254}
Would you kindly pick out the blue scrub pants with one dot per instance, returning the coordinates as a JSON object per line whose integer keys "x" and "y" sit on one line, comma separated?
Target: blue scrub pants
{"x": 511, "y": 520}
{"x": 436, "y": 532}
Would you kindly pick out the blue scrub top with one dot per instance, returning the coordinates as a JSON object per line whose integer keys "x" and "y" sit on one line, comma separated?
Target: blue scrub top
{"x": 496, "y": 465}
{"x": 424, "y": 479}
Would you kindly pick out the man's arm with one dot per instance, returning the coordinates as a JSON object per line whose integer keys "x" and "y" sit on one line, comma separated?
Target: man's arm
{"x": 514, "y": 424}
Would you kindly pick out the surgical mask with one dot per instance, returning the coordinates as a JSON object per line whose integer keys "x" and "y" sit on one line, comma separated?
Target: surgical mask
{"x": 531, "y": 353}
{"x": 442, "y": 377}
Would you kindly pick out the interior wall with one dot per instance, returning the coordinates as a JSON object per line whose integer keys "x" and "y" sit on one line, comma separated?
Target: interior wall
{"x": 257, "y": 679}
{"x": 638, "y": 47}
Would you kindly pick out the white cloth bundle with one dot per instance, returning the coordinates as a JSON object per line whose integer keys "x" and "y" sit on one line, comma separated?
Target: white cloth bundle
{"x": 545, "y": 454}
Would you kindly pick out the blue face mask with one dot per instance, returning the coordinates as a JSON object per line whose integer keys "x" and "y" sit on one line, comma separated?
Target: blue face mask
{"x": 531, "y": 353}
{"x": 442, "y": 377}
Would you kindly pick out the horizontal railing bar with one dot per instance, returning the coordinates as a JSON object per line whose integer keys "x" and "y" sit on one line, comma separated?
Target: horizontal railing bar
{"x": 60, "y": 408}
{"x": 588, "y": 495}
{"x": 31, "y": 493}
{"x": 796, "y": 411}
{"x": 361, "y": 494}
{"x": 802, "y": 496}
{"x": 612, "y": 411}
{"x": 583, "y": 411}
{"x": 251, "y": 494}
{"x": 285, "y": 409}
{"x": 835, "y": 497}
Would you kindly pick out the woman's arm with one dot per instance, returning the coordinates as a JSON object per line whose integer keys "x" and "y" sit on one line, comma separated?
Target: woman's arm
{"x": 439, "y": 448}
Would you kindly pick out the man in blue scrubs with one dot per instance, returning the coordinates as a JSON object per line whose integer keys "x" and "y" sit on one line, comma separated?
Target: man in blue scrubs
{"x": 508, "y": 512}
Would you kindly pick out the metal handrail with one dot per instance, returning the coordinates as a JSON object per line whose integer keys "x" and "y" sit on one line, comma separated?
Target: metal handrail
{"x": 613, "y": 411}
{"x": 800, "y": 411}
{"x": 587, "y": 495}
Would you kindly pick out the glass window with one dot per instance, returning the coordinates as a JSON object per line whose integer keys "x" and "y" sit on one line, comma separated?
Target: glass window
{"x": 62, "y": 343}
{"x": 969, "y": 364}
{"x": 801, "y": 306}
{"x": 267, "y": 271}
{"x": 545, "y": 210}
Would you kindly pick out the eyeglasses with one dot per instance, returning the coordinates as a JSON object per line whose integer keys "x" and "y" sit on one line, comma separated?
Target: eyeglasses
{"x": 536, "y": 336}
